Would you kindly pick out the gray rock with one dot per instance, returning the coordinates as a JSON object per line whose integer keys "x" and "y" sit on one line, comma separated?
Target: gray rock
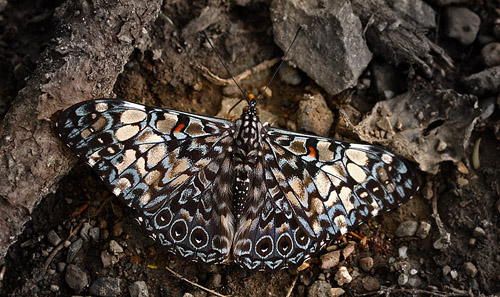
{"x": 423, "y": 230}
{"x": 370, "y": 284}
{"x": 54, "y": 288}
{"x": 479, "y": 232}
{"x": 484, "y": 82}
{"x": 76, "y": 278}
{"x": 314, "y": 115}
{"x": 105, "y": 287}
{"x": 470, "y": 269}
{"x": 53, "y": 238}
{"x": 490, "y": 54}
{"x": 403, "y": 279}
{"x": 84, "y": 232}
{"x": 61, "y": 266}
{"x": 106, "y": 259}
{"x": 138, "y": 289}
{"x": 406, "y": 229}
{"x": 418, "y": 11}
{"x": 330, "y": 49}
{"x": 73, "y": 249}
{"x": 115, "y": 247}
{"x": 462, "y": 24}
{"x": 319, "y": 288}
{"x": 95, "y": 233}
{"x": 289, "y": 75}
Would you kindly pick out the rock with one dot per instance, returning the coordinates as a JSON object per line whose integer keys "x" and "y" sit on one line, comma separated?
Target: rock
{"x": 289, "y": 75}
{"x": 53, "y": 238}
{"x": 423, "y": 230}
{"x": 73, "y": 249}
{"x": 319, "y": 288}
{"x": 370, "y": 284}
{"x": 403, "y": 279}
{"x": 330, "y": 260}
{"x": 61, "y": 266}
{"x": 454, "y": 274}
{"x": 484, "y": 82}
{"x": 448, "y": 2}
{"x": 406, "y": 229}
{"x": 338, "y": 54}
{"x": 490, "y": 54}
{"x": 305, "y": 279}
{"x": 118, "y": 229}
{"x": 479, "y": 232}
{"x": 76, "y": 278}
{"x": 416, "y": 10}
{"x": 54, "y": 288}
{"x": 138, "y": 289}
{"x": 342, "y": 276}
{"x": 462, "y": 182}
{"x": 414, "y": 281}
{"x": 348, "y": 250}
{"x": 487, "y": 106}
{"x": 95, "y": 233}
{"x": 446, "y": 270}
{"x": 335, "y": 292}
{"x": 105, "y": 287}
{"x": 115, "y": 247}
{"x": 366, "y": 263}
{"x": 470, "y": 269}
{"x": 106, "y": 259}
{"x": 84, "y": 232}
{"x": 187, "y": 294}
{"x": 462, "y": 24}
{"x": 314, "y": 115}
{"x": 402, "y": 252}
{"x": 215, "y": 280}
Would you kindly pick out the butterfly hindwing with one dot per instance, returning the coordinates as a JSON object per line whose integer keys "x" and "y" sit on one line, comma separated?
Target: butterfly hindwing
{"x": 164, "y": 164}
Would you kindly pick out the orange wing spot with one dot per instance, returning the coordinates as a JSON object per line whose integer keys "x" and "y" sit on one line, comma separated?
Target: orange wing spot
{"x": 312, "y": 152}
{"x": 251, "y": 96}
{"x": 179, "y": 128}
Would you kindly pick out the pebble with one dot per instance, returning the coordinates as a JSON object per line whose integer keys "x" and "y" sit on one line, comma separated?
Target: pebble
{"x": 187, "y": 294}
{"x": 490, "y": 54}
{"x": 336, "y": 292}
{"x": 446, "y": 270}
{"x": 348, "y": 250}
{"x": 330, "y": 259}
{"x": 84, "y": 232}
{"x": 427, "y": 191}
{"x": 414, "y": 281}
{"x": 138, "y": 289}
{"x": 54, "y": 288}
{"x": 406, "y": 229}
{"x": 472, "y": 241}
{"x": 484, "y": 82}
{"x": 462, "y": 182}
{"x": 319, "y": 288}
{"x": 342, "y": 276}
{"x": 423, "y": 230}
{"x": 416, "y": 10}
{"x": 470, "y": 269}
{"x": 95, "y": 233}
{"x": 76, "y": 278}
{"x": 106, "y": 259}
{"x": 370, "y": 284}
{"x": 289, "y": 75}
{"x": 403, "y": 279}
{"x": 73, "y": 249}
{"x": 402, "y": 252}
{"x": 462, "y": 24}
{"x": 61, "y": 266}
{"x": 53, "y": 238}
{"x": 454, "y": 274}
{"x": 314, "y": 115}
{"x": 118, "y": 229}
{"x": 366, "y": 263}
{"x": 105, "y": 287}
{"x": 115, "y": 247}
{"x": 215, "y": 280}
{"x": 479, "y": 232}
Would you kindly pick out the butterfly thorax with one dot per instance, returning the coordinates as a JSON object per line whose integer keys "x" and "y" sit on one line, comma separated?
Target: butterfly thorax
{"x": 247, "y": 140}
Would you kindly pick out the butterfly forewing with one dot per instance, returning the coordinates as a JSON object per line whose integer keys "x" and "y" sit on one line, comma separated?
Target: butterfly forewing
{"x": 165, "y": 164}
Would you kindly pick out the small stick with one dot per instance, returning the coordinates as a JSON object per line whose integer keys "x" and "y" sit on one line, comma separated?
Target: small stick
{"x": 293, "y": 286}
{"x": 193, "y": 283}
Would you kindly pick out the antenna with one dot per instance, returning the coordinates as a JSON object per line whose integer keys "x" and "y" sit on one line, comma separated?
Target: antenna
{"x": 282, "y": 61}
{"x": 225, "y": 67}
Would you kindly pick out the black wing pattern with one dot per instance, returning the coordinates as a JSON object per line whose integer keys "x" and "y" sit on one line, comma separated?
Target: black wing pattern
{"x": 316, "y": 189}
{"x": 165, "y": 164}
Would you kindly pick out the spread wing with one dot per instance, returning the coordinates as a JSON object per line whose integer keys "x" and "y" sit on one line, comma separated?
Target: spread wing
{"x": 174, "y": 168}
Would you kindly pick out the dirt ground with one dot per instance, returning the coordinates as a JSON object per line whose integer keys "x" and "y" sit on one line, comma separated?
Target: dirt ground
{"x": 167, "y": 75}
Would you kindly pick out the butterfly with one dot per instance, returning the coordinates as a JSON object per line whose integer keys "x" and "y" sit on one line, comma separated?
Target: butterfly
{"x": 213, "y": 190}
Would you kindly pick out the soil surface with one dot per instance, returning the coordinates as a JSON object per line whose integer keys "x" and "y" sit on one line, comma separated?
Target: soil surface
{"x": 465, "y": 203}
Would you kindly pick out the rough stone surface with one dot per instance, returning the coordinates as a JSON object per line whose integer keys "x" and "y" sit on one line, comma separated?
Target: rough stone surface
{"x": 462, "y": 24}
{"x": 366, "y": 263}
{"x": 342, "y": 276}
{"x": 138, "y": 289}
{"x": 76, "y": 278}
{"x": 484, "y": 82}
{"x": 53, "y": 238}
{"x": 370, "y": 284}
{"x": 423, "y": 230}
{"x": 336, "y": 292}
{"x": 314, "y": 115}
{"x": 105, "y": 287}
{"x": 73, "y": 249}
{"x": 406, "y": 229}
{"x": 490, "y": 54}
{"x": 418, "y": 11}
{"x": 115, "y": 247}
{"x": 319, "y": 288}
{"x": 330, "y": 259}
{"x": 470, "y": 269}
{"x": 339, "y": 54}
